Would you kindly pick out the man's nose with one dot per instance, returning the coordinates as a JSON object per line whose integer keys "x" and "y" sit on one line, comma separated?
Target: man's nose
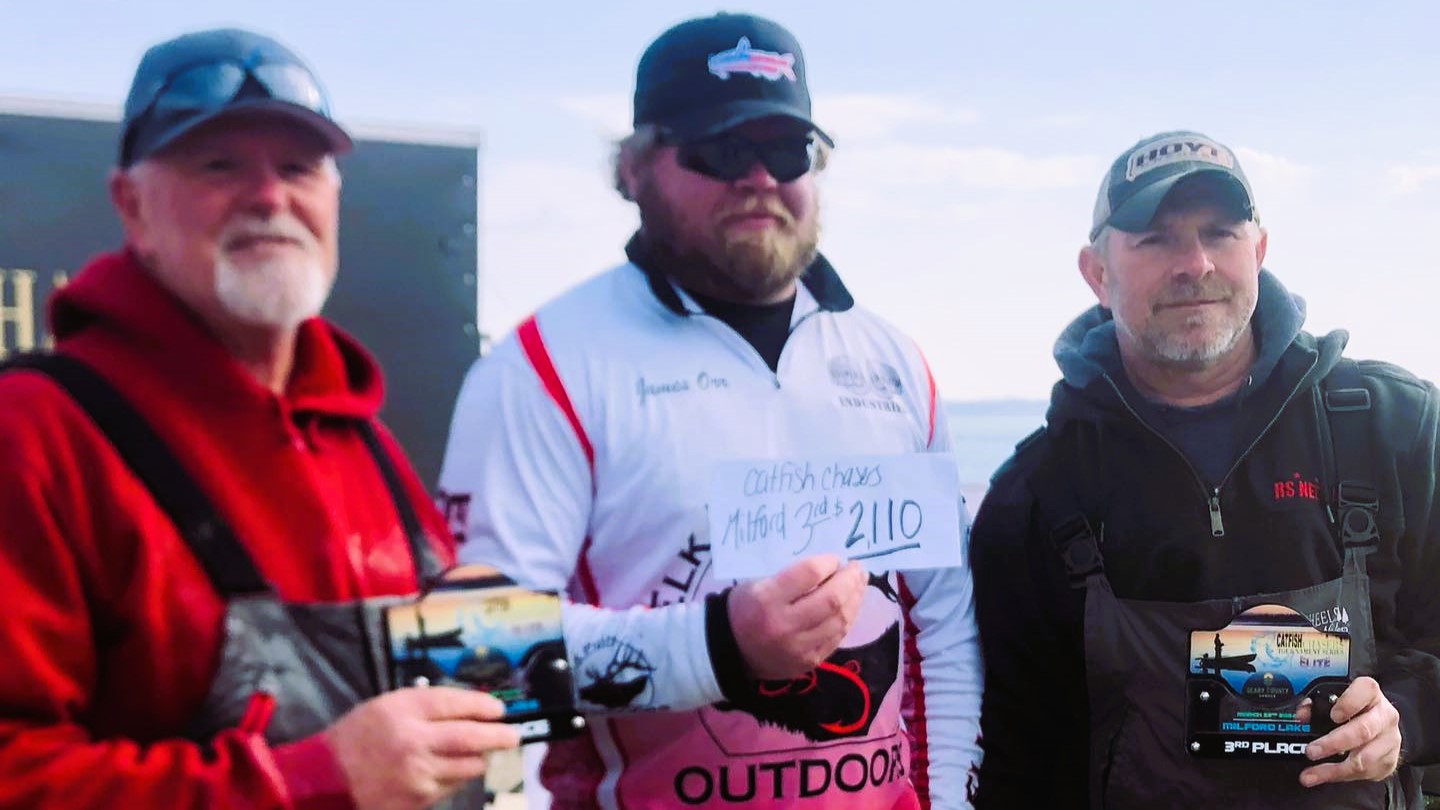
{"x": 1193, "y": 258}
{"x": 757, "y": 178}
{"x": 265, "y": 191}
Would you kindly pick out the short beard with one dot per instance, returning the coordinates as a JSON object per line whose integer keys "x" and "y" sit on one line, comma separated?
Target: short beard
{"x": 701, "y": 257}
{"x": 277, "y": 293}
{"x": 1171, "y": 349}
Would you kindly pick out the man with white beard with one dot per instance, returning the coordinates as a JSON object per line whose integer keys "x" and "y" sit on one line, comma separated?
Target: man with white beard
{"x": 200, "y": 511}
{"x": 581, "y": 451}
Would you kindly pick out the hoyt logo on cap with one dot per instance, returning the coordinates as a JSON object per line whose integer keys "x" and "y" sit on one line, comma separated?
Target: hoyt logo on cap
{"x": 744, "y": 59}
{"x": 1174, "y": 150}
{"x": 1140, "y": 179}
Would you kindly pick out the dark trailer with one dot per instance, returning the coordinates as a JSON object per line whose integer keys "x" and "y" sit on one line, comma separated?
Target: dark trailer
{"x": 409, "y": 249}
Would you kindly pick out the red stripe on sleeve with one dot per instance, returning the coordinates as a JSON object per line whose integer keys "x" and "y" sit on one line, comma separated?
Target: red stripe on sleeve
{"x": 915, "y": 682}
{"x": 539, "y": 356}
{"x": 934, "y": 396}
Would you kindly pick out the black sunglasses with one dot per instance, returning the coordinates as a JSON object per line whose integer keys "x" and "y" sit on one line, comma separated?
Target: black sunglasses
{"x": 729, "y": 157}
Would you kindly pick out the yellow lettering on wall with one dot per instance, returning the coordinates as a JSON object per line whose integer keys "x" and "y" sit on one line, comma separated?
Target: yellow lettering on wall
{"x": 58, "y": 279}
{"x": 17, "y": 311}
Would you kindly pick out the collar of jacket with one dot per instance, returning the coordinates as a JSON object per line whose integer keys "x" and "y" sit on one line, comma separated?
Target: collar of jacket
{"x": 819, "y": 278}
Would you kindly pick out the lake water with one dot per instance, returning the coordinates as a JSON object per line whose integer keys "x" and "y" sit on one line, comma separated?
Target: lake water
{"x": 985, "y": 434}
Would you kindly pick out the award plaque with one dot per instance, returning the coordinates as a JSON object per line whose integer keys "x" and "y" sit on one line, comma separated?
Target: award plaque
{"x": 487, "y": 633}
{"x": 1247, "y": 681}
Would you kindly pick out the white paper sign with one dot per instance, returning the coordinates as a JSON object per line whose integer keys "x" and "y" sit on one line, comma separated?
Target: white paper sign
{"x": 890, "y": 512}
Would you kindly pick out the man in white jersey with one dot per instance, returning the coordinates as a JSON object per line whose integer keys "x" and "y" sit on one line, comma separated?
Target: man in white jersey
{"x": 582, "y": 448}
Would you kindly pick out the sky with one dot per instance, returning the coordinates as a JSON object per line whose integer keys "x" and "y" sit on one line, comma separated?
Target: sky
{"x": 971, "y": 138}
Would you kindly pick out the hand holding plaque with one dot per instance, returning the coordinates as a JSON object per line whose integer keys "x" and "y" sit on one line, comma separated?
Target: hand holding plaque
{"x": 479, "y": 630}
{"x": 1367, "y": 743}
{"x": 1249, "y": 681}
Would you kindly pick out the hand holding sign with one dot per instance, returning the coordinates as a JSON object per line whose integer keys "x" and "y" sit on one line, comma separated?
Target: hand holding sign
{"x": 889, "y": 512}
{"x": 786, "y": 624}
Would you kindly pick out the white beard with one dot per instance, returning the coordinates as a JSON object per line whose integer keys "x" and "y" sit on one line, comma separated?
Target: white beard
{"x": 280, "y": 292}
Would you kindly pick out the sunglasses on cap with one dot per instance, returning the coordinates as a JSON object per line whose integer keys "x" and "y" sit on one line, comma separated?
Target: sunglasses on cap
{"x": 729, "y": 157}
{"x": 207, "y": 88}
{"x": 215, "y": 84}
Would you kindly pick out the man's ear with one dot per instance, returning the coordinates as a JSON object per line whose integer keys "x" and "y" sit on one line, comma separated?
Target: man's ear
{"x": 1093, "y": 269}
{"x": 1262, "y": 244}
{"x": 629, "y": 175}
{"x": 126, "y": 198}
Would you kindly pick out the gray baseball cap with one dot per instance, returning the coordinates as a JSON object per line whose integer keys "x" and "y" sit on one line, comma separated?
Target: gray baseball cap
{"x": 1144, "y": 174}
{"x": 198, "y": 77}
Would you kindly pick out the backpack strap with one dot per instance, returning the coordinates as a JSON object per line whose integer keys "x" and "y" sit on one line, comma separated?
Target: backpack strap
{"x": 229, "y": 566}
{"x": 427, "y": 567}
{"x": 209, "y": 537}
{"x": 1347, "y": 405}
{"x": 1052, "y": 484}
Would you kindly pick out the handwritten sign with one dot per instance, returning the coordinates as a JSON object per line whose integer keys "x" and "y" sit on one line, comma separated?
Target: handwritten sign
{"x": 889, "y": 512}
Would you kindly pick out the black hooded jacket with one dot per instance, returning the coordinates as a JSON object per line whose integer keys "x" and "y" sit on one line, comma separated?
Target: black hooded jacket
{"x": 1156, "y": 511}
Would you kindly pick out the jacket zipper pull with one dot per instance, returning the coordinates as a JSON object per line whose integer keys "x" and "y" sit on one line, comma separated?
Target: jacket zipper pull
{"x": 1217, "y": 524}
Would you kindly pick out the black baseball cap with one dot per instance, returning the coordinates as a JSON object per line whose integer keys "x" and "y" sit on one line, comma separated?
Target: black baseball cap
{"x": 710, "y": 74}
{"x": 199, "y": 77}
{"x": 1144, "y": 174}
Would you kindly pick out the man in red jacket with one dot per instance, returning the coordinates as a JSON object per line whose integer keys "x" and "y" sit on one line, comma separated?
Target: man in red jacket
{"x": 200, "y": 512}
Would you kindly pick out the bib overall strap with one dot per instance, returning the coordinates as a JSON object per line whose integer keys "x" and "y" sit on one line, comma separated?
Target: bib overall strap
{"x": 209, "y": 537}
{"x": 427, "y": 567}
{"x": 1347, "y": 409}
{"x": 1059, "y": 505}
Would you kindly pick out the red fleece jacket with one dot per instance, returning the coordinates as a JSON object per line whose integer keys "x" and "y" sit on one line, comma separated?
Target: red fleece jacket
{"x": 110, "y": 630}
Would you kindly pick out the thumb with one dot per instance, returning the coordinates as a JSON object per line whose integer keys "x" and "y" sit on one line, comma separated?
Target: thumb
{"x": 803, "y": 577}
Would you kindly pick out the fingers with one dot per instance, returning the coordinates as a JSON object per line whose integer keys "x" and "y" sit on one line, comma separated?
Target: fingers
{"x": 1362, "y": 694}
{"x": 1360, "y": 717}
{"x": 839, "y": 597}
{"x": 452, "y": 772}
{"x": 450, "y": 703}
{"x": 1302, "y": 712}
{"x": 799, "y": 579}
{"x": 466, "y": 738}
{"x": 788, "y": 623}
{"x": 1369, "y": 731}
{"x": 1374, "y": 761}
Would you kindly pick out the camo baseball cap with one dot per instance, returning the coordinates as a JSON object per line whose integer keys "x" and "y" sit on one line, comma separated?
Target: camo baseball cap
{"x": 1144, "y": 174}
{"x": 710, "y": 74}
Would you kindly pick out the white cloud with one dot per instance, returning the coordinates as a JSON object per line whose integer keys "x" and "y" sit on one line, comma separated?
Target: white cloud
{"x": 1409, "y": 179}
{"x": 973, "y": 168}
{"x": 609, "y": 113}
{"x": 865, "y": 116}
{"x": 1273, "y": 172}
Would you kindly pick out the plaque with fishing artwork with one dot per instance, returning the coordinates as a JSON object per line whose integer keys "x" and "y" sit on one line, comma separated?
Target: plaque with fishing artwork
{"x": 482, "y": 631}
{"x": 1263, "y": 685}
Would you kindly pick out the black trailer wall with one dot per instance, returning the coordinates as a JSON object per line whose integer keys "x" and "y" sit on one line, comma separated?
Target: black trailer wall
{"x": 408, "y": 255}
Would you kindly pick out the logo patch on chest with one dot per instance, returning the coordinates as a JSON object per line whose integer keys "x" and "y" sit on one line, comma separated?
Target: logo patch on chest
{"x": 866, "y": 384}
{"x": 1296, "y": 487}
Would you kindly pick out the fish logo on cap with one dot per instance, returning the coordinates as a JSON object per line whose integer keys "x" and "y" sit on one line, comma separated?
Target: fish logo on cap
{"x": 744, "y": 59}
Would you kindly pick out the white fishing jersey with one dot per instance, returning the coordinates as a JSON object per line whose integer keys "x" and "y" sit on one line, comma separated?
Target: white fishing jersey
{"x": 580, "y": 459}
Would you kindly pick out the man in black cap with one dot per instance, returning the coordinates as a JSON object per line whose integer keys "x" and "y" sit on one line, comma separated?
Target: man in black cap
{"x": 202, "y": 513}
{"x": 1205, "y": 458}
{"x": 582, "y": 448}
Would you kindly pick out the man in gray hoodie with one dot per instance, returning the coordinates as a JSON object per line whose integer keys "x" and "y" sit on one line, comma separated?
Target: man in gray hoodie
{"x": 1204, "y": 457}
